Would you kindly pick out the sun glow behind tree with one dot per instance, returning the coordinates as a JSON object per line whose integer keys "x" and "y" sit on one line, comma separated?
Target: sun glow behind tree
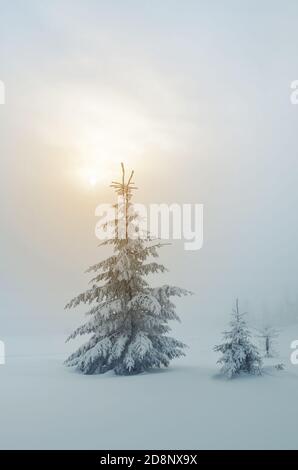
{"x": 129, "y": 319}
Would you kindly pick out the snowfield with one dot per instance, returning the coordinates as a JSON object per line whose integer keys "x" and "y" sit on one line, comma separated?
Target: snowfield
{"x": 188, "y": 406}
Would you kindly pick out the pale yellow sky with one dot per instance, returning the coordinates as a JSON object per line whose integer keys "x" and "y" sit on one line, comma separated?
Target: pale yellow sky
{"x": 195, "y": 98}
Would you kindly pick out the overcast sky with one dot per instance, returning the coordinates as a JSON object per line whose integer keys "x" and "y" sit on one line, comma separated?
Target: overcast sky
{"x": 195, "y": 96}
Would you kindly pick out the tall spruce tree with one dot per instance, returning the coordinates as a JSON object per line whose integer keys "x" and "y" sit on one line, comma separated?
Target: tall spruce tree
{"x": 129, "y": 319}
{"x": 239, "y": 354}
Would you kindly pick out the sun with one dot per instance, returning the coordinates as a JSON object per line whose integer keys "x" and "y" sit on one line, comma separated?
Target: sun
{"x": 90, "y": 177}
{"x": 92, "y": 180}
{"x": 96, "y": 173}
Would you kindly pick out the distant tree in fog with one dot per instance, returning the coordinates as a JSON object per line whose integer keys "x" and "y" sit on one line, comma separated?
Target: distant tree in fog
{"x": 267, "y": 336}
{"x": 239, "y": 354}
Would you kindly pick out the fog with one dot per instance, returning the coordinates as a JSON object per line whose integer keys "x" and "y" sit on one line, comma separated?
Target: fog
{"x": 195, "y": 97}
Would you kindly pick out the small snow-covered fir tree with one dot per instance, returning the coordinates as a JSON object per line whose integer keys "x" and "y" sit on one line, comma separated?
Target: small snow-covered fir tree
{"x": 239, "y": 354}
{"x": 268, "y": 337}
{"x": 128, "y": 318}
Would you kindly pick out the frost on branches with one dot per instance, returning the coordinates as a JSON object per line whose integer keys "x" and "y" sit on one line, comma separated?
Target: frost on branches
{"x": 128, "y": 322}
{"x": 239, "y": 354}
{"x": 267, "y": 336}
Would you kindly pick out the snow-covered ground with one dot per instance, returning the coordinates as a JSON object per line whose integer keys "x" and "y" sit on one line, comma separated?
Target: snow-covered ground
{"x": 44, "y": 405}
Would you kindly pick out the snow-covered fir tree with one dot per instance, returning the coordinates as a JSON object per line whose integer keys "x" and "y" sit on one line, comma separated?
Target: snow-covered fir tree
{"x": 128, "y": 322}
{"x": 268, "y": 338}
{"x": 239, "y": 354}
